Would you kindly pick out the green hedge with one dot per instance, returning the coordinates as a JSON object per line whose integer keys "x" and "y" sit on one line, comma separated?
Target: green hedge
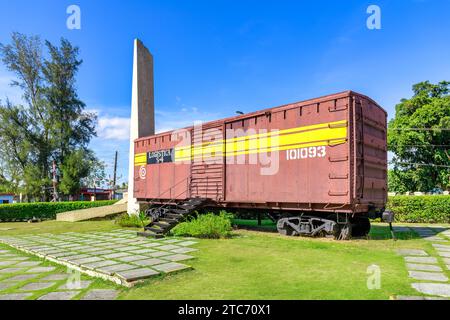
{"x": 420, "y": 209}
{"x": 44, "y": 210}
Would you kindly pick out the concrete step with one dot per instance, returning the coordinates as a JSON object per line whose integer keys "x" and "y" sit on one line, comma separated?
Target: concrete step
{"x": 168, "y": 220}
{"x": 91, "y": 213}
{"x": 175, "y": 216}
{"x": 162, "y": 225}
{"x": 150, "y": 235}
{"x": 154, "y": 230}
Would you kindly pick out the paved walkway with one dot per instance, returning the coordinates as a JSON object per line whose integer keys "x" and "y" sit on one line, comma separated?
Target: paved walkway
{"x": 429, "y": 271}
{"x": 119, "y": 256}
{"x": 26, "y": 277}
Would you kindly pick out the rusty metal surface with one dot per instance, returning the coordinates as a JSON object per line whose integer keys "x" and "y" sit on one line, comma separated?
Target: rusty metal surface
{"x": 334, "y": 173}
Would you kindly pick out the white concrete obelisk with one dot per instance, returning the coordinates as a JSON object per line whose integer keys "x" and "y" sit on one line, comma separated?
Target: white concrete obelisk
{"x": 142, "y": 110}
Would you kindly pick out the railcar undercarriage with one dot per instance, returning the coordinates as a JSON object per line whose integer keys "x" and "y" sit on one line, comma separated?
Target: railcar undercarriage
{"x": 340, "y": 227}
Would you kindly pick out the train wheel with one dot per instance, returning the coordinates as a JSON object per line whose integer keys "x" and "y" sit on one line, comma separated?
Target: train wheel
{"x": 360, "y": 226}
{"x": 284, "y": 229}
{"x": 336, "y": 229}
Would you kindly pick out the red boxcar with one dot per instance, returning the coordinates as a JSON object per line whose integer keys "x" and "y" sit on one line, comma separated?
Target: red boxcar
{"x": 318, "y": 166}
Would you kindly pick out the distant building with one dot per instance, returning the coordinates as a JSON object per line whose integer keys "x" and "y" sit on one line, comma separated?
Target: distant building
{"x": 118, "y": 195}
{"x": 93, "y": 194}
{"x": 6, "y": 198}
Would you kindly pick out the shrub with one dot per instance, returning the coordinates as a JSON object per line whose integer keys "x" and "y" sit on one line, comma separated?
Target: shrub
{"x": 132, "y": 221}
{"x": 44, "y": 210}
{"x": 420, "y": 209}
{"x": 206, "y": 226}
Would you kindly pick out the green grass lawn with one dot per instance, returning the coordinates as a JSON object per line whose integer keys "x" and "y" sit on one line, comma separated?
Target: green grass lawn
{"x": 53, "y": 226}
{"x": 263, "y": 265}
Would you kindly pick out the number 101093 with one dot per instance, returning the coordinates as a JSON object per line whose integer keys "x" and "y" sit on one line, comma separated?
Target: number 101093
{"x": 306, "y": 153}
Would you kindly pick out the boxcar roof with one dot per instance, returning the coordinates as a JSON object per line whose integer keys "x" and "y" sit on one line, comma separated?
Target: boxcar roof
{"x": 338, "y": 95}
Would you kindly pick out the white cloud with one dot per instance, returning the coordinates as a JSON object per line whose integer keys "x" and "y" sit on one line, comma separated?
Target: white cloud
{"x": 185, "y": 117}
{"x": 113, "y": 128}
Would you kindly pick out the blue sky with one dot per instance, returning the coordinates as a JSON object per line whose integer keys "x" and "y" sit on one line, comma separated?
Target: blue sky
{"x": 215, "y": 57}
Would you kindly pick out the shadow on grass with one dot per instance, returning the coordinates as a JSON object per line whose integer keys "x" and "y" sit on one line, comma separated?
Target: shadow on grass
{"x": 377, "y": 232}
{"x": 382, "y": 232}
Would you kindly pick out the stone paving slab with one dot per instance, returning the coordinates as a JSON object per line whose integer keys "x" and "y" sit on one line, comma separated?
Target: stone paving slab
{"x": 56, "y": 277}
{"x": 41, "y": 270}
{"x": 62, "y": 254}
{"x": 441, "y": 246}
{"x": 168, "y": 247}
{"x": 437, "y": 239}
{"x": 444, "y": 254}
{"x": 28, "y": 264}
{"x": 59, "y": 295}
{"x": 89, "y": 250}
{"x": 55, "y": 251}
{"x": 103, "y": 252}
{"x": 127, "y": 248}
{"x": 426, "y": 260}
{"x": 170, "y": 241}
{"x": 11, "y": 270}
{"x": 83, "y": 284}
{"x": 101, "y": 294}
{"x": 99, "y": 264}
{"x": 136, "y": 274}
{"x": 411, "y": 252}
{"x": 7, "y": 263}
{"x": 150, "y": 245}
{"x": 6, "y": 285}
{"x": 158, "y": 254}
{"x": 22, "y": 277}
{"x": 132, "y": 258}
{"x": 86, "y": 260}
{"x": 423, "y": 267}
{"x": 115, "y": 268}
{"x": 184, "y": 250}
{"x": 186, "y": 243}
{"x": 13, "y": 257}
{"x": 142, "y": 251}
{"x": 437, "y": 289}
{"x": 178, "y": 257}
{"x": 419, "y": 298}
{"x": 74, "y": 257}
{"x": 428, "y": 276}
{"x": 15, "y": 296}
{"x": 21, "y": 258}
{"x": 150, "y": 262}
{"x": 36, "y": 286}
{"x": 117, "y": 255}
{"x": 171, "y": 267}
